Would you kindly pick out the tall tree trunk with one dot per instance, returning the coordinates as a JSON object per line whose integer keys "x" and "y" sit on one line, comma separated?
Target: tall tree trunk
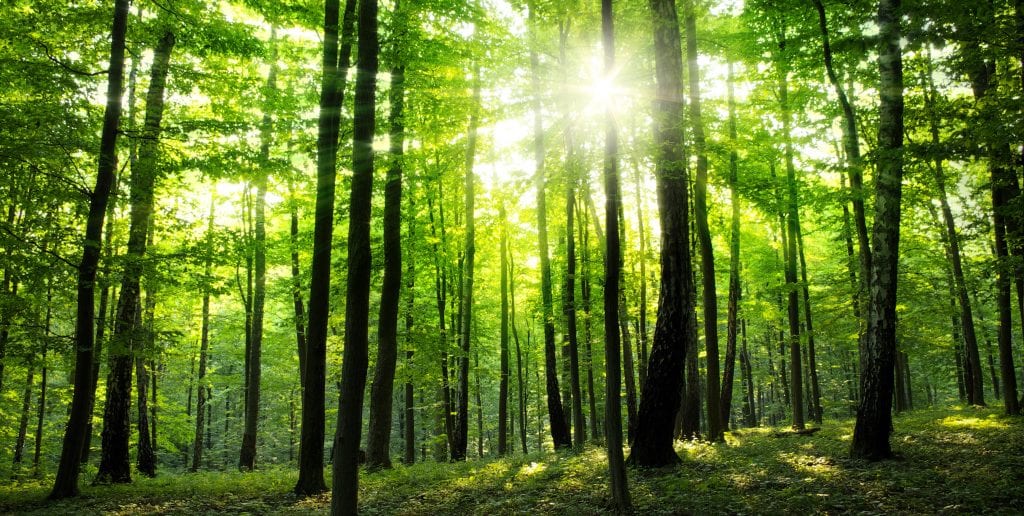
{"x": 335, "y": 64}
{"x": 204, "y": 346}
{"x": 441, "y": 292}
{"x": 585, "y": 296}
{"x": 247, "y": 456}
{"x": 628, "y": 369}
{"x": 747, "y": 370}
{"x": 520, "y": 377}
{"x": 874, "y": 414}
{"x": 812, "y": 359}
{"x": 503, "y": 335}
{"x": 732, "y": 317}
{"x": 345, "y": 481}
{"x": 559, "y": 430}
{"x": 26, "y": 410}
{"x": 66, "y": 482}
{"x": 612, "y": 282}
{"x": 410, "y": 305}
{"x": 41, "y": 410}
{"x": 675, "y": 332}
{"x": 297, "y": 302}
{"x": 572, "y": 167}
{"x": 791, "y": 229}
{"x": 378, "y": 435}
{"x": 114, "y": 463}
{"x": 707, "y": 253}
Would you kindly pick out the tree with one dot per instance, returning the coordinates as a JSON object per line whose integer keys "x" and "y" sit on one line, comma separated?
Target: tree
{"x": 612, "y": 271}
{"x": 675, "y": 331}
{"x": 66, "y": 482}
{"x": 114, "y": 462}
{"x": 878, "y": 352}
{"x": 378, "y": 436}
{"x": 204, "y": 345}
{"x": 345, "y": 481}
{"x": 332, "y": 88}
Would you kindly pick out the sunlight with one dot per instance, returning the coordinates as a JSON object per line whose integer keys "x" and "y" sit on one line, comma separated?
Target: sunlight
{"x": 989, "y": 423}
{"x": 528, "y": 470}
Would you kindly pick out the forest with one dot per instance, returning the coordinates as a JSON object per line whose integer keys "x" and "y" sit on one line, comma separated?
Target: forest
{"x": 511, "y": 256}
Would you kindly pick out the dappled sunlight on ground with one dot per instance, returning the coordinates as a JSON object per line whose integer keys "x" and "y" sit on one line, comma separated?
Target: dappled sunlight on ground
{"x": 991, "y": 422}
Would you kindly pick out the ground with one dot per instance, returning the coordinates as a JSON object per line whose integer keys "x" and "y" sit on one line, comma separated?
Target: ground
{"x": 967, "y": 460}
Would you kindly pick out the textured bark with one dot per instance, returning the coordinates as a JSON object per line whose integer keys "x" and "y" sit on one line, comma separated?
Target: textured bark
{"x": 874, "y": 414}
{"x": 345, "y": 480}
{"x": 114, "y": 463}
{"x": 707, "y": 252}
{"x": 675, "y": 332}
{"x": 732, "y": 317}
{"x": 1001, "y": 177}
{"x": 335, "y": 66}
{"x": 503, "y": 336}
{"x": 66, "y": 482}
{"x": 378, "y": 435}
{"x": 461, "y": 438}
{"x": 612, "y": 283}
{"x": 204, "y": 345}
{"x": 559, "y": 429}
{"x": 791, "y": 230}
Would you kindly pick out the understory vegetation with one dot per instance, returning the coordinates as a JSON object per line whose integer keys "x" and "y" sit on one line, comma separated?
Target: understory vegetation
{"x": 959, "y": 460}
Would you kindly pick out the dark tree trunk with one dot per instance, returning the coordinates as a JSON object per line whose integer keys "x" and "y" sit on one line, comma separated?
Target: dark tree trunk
{"x": 585, "y": 297}
{"x": 204, "y": 344}
{"x": 812, "y": 359}
{"x": 334, "y": 67}
{"x": 520, "y": 377}
{"x": 675, "y": 332}
{"x": 707, "y": 253}
{"x": 378, "y": 435}
{"x": 503, "y": 336}
{"x": 345, "y": 481}
{"x": 732, "y": 317}
{"x": 41, "y": 409}
{"x": 297, "y": 302}
{"x": 612, "y": 283}
{"x": 874, "y": 414}
{"x": 747, "y": 370}
{"x": 145, "y": 460}
{"x": 559, "y": 429}
{"x": 66, "y": 482}
{"x": 641, "y": 333}
{"x": 410, "y": 283}
{"x": 26, "y": 410}
{"x": 114, "y": 463}
{"x": 466, "y": 296}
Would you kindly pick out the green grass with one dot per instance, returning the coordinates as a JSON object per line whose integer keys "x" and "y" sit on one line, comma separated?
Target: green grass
{"x": 955, "y": 460}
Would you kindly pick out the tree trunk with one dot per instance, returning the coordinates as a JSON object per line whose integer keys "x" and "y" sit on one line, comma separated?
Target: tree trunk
{"x": 26, "y": 409}
{"x": 732, "y": 317}
{"x": 874, "y": 414}
{"x": 520, "y": 377}
{"x": 297, "y": 303}
{"x": 503, "y": 336}
{"x": 612, "y": 282}
{"x": 114, "y": 463}
{"x": 812, "y": 359}
{"x": 585, "y": 296}
{"x": 345, "y": 481}
{"x": 334, "y": 67}
{"x": 378, "y": 435}
{"x": 559, "y": 430}
{"x": 707, "y": 253}
{"x": 461, "y": 430}
{"x": 747, "y": 370}
{"x": 675, "y": 333}
{"x": 410, "y": 283}
{"x": 204, "y": 346}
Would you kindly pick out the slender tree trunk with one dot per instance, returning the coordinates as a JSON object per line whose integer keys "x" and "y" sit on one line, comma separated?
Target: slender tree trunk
{"x": 675, "y": 332}
{"x": 585, "y": 296}
{"x": 628, "y": 369}
{"x": 612, "y": 283}
{"x": 297, "y": 302}
{"x": 732, "y": 317}
{"x": 707, "y": 253}
{"x": 747, "y": 370}
{"x": 26, "y": 410}
{"x": 466, "y": 296}
{"x": 812, "y": 359}
{"x": 378, "y": 435}
{"x": 559, "y": 429}
{"x": 41, "y": 410}
{"x": 114, "y": 463}
{"x": 520, "y": 377}
{"x": 503, "y": 335}
{"x": 204, "y": 346}
{"x": 410, "y": 283}
{"x": 335, "y": 64}
{"x": 874, "y": 415}
{"x": 345, "y": 481}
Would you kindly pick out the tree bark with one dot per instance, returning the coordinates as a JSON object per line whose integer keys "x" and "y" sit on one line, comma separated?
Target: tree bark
{"x": 612, "y": 282}
{"x": 503, "y": 335}
{"x": 114, "y": 463}
{"x": 559, "y": 430}
{"x": 675, "y": 332}
{"x": 335, "y": 64}
{"x": 345, "y": 481}
{"x": 378, "y": 435}
{"x": 732, "y": 317}
{"x": 874, "y": 414}
{"x": 410, "y": 283}
{"x": 204, "y": 344}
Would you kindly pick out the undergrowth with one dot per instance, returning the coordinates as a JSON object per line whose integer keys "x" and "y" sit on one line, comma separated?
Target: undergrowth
{"x": 953, "y": 460}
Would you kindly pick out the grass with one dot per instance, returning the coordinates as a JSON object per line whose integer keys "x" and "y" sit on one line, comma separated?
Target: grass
{"x": 952, "y": 461}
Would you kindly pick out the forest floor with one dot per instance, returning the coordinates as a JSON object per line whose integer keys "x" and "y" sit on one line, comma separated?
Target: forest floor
{"x": 966, "y": 460}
